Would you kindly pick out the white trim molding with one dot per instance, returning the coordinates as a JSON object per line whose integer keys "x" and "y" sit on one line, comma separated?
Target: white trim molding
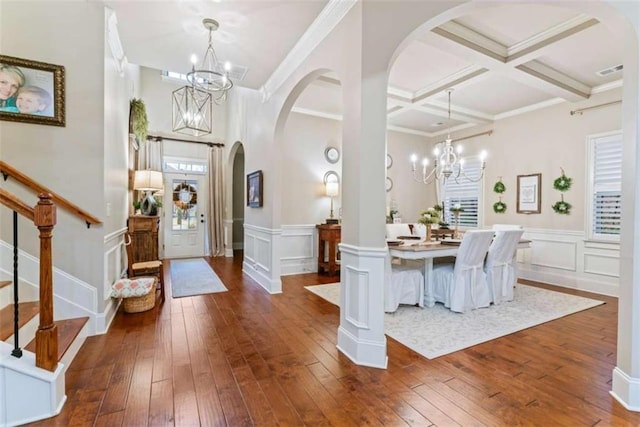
{"x": 260, "y": 245}
{"x": 361, "y": 333}
{"x": 299, "y": 253}
{"x": 564, "y": 258}
{"x": 626, "y": 390}
{"x": 322, "y": 26}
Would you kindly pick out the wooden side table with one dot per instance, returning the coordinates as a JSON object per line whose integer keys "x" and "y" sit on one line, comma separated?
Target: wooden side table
{"x": 328, "y": 235}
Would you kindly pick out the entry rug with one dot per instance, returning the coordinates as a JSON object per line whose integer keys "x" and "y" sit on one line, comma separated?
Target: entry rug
{"x": 193, "y": 277}
{"x": 437, "y": 331}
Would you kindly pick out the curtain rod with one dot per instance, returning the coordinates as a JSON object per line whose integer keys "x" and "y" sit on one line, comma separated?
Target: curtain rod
{"x": 210, "y": 144}
{"x": 488, "y": 132}
{"x": 580, "y": 111}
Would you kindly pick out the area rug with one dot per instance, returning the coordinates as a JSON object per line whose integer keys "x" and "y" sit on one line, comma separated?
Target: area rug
{"x": 193, "y": 277}
{"x": 437, "y": 331}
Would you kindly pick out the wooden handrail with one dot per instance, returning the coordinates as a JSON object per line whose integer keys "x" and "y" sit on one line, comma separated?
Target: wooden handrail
{"x": 43, "y": 215}
{"x": 8, "y": 170}
{"x": 14, "y": 203}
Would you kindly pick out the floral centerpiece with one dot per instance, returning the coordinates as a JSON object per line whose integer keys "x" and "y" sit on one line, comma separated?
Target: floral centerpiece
{"x": 429, "y": 216}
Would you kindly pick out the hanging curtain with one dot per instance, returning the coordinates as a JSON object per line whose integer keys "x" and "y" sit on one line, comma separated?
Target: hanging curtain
{"x": 150, "y": 155}
{"x": 216, "y": 202}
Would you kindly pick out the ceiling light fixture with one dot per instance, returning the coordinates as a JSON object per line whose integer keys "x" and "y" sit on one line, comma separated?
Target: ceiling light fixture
{"x": 211, "y": 76}
{"x": 448, "y": 163}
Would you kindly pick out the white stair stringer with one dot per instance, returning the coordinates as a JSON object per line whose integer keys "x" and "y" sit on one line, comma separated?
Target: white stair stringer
{"x": 28, "y": 393}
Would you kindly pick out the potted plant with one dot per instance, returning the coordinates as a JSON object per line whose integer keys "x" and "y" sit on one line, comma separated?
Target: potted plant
{"x": 138, "y": 122}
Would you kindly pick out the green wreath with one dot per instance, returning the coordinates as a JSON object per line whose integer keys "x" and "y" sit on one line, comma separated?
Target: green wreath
{"x": 499, "y": 187}
{"x": 561, "y": 207}
{"x": 563, "y": 183}
{"x": 500, "y": 207}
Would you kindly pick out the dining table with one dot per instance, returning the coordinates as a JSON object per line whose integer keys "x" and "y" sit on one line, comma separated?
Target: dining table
{"x": 428, "y": 251}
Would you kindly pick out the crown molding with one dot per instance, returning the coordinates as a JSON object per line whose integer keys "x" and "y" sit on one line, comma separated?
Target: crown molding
{"x": 322, "y": 26}
{"x": 607, "y": 86}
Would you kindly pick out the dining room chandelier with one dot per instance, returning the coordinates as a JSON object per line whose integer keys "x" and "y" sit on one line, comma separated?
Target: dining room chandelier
{"x": 447, "y": 162}
{"x": 211, "y": 75}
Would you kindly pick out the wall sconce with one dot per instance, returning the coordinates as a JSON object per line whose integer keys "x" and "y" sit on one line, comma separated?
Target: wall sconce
{"x": 149, "y": 181}
{"x": 331, "y": 182}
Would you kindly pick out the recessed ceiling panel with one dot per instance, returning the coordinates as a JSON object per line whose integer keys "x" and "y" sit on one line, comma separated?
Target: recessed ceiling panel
{"x": 425, "y": 122}
{"x": 494, "y": 95}
{"x": 420, "y": 65}
{"x": 513, "y": 23}
{"x": 583, "y": 54}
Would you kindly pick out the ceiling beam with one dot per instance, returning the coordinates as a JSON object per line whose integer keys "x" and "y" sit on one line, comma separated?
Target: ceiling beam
{"x": 479, "y": 49}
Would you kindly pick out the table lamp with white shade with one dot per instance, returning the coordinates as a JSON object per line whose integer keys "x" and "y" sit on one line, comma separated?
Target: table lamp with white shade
{"x": 331, "y": 190}
{"x": 149, "y": 181}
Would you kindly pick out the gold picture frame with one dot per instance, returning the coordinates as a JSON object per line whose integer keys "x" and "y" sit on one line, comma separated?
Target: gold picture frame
{"x": 33, "y": 92}
{"x": 529, "y": 194}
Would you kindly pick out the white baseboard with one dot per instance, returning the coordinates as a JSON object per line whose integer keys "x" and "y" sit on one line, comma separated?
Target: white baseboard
{"x": 626, "y": 390}
{"x": 271, "y": 286}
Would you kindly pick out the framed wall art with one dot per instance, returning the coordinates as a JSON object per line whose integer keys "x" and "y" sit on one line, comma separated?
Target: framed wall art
{"x": 254, "y": 189}
{"x": 31, "y": 91}
{"x": 529, "y": 194}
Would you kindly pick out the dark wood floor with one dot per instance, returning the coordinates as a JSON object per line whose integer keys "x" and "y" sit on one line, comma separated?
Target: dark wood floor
{"x": 244, "y": 357}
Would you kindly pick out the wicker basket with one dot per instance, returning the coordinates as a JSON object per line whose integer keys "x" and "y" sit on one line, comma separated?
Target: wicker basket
{"x": 138, "y": 304}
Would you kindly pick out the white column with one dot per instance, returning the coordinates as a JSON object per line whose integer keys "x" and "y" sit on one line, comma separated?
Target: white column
{"x": 626, "y": 375}
{"x": 361, "y": 333}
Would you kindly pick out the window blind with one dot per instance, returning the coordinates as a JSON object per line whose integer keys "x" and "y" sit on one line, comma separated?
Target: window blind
{"x": 464, "y": 193}
{"x": 607, "y": 186}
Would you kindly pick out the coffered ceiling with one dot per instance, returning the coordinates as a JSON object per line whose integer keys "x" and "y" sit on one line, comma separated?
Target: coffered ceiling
{"x": 500, "y": 61}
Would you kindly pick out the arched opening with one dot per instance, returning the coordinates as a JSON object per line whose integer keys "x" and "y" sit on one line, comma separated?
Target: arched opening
{"x": 236, "y": 237}
{"x": 309, "y": 133}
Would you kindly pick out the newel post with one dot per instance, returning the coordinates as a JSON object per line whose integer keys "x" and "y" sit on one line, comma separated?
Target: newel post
{"x": 47, "y": 334}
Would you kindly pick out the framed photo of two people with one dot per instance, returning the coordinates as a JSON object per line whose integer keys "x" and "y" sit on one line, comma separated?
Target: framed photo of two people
{"x": 31, "y": 91}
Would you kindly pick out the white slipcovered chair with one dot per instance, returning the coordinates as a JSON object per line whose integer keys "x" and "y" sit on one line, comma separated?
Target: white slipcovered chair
{"x": 500, "y": 265}
{"x": 498, "y": 227}
{"x": 403, "y": 284}
{"x": 395, "y": 230}
{"x": 463, "y": 286}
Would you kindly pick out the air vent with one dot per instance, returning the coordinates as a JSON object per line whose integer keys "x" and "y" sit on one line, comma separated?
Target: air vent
{"x": 609, "y": 70}
{"x": 237, "y": 72}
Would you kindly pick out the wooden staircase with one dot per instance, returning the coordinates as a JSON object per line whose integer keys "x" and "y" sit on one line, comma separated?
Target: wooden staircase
{"x": 35, "y": 377}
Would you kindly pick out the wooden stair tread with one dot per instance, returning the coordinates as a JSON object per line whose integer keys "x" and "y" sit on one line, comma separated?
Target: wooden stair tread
{"x": 4, "y": 283}
{"x": 68, "y": 330}
{"x": 27, "y": 311}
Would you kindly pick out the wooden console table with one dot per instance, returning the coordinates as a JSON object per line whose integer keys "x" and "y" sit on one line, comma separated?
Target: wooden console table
{"x": 328, "y": 235}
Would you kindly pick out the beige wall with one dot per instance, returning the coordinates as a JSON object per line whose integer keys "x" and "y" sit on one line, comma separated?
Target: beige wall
{"x": 409, "y": 197}
{"x": 543, "y": 141}
{"x": 304, "y": 165}
{"x": 156, "y": 94}
{"x": 70, "y": 159}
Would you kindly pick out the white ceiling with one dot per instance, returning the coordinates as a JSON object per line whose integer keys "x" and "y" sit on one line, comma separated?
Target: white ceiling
{"x": 501, "y": 61}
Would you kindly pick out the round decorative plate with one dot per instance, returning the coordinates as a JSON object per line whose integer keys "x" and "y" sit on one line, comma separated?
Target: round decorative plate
{"x": 332, "y": 154}
{"x": 389, "y": 161}
{"x": 389, "y": 184}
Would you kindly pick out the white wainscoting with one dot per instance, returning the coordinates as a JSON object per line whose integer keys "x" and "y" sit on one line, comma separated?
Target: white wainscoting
{"x": 565, "y": 258}
{"x": 299, "y": 249}
{"x": 260, "y": 244}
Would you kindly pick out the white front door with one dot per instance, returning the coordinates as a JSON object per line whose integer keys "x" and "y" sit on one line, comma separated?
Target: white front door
{"x": 185, "y": 201}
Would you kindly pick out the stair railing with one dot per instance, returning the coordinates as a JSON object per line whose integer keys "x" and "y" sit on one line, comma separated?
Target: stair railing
{"x": 43, "y": 216}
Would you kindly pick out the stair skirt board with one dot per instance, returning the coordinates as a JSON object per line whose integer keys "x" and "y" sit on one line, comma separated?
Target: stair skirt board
{"x": 35, "y": 394}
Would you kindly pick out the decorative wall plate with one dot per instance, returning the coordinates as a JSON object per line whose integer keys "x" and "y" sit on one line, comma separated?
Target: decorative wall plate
{"x": 389, "y": 161}
{"x": 389, "y": 184}
{"x": 332, "y": 154}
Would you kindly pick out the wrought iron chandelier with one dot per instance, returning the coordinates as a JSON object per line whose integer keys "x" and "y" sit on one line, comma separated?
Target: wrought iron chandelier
{"x": 211, "y": 76}
{"x": 447, "y": 163}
